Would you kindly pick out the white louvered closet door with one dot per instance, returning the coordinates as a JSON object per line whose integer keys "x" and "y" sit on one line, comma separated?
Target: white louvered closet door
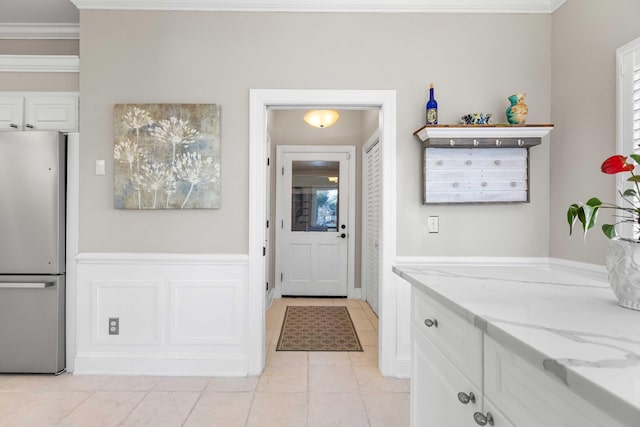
{"x": 372, "y": 215}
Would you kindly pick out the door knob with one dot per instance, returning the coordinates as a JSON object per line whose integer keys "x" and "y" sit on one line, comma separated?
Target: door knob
{"x": 482, "y": 419}
{"x": 342, "y": 236}
{"x": 465, "y": 398}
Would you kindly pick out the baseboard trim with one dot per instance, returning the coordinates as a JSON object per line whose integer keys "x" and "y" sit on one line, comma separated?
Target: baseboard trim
{"x": 161, "y": 365}
{"x": 355, "y": 293}
{"x": 402, "y": 368}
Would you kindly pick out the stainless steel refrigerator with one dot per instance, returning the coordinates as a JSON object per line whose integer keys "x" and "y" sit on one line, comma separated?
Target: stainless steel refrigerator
{"x": 32, "y": 251}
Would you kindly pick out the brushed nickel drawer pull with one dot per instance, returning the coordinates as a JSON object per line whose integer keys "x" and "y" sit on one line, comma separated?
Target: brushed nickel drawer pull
{"x": 465, "y": 398}
{"x": 431, "y": 323}
{"x": 482, "y": 419}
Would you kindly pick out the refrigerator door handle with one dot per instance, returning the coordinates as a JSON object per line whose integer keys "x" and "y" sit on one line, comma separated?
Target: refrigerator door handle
{"x": 41, "y": 285}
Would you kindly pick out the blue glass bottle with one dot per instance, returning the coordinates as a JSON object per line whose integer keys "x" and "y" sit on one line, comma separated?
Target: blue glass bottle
{"x": 432, "y": 108}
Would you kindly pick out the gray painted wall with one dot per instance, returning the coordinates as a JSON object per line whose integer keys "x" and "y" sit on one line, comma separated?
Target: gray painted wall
{"x": 476, "y": 62}
{"x": 585, "y": 36}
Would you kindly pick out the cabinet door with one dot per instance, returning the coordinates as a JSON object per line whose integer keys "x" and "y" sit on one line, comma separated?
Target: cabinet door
{"x": 499, "y": 419}
{"x": 51, "y": 113}
{"x": 435, "y": 384}
{"x": 11, "y": 112}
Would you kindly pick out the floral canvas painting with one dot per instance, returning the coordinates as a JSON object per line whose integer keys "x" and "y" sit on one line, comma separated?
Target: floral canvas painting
{"x": 166, "y": 156}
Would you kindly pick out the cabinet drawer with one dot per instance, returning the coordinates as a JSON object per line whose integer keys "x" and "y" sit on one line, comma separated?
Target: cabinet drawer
{"x": 457, "y": 339}
{"x": 529, "y": 397}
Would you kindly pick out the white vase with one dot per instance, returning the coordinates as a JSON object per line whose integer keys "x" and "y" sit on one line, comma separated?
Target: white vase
{"x": 623, "y": 265}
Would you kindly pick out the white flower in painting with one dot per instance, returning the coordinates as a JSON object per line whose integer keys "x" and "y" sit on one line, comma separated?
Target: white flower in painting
{"x": 137, "y": 118}
{"x": 174, "y": 131}
{"x": 191, "y": 167}
{"x": 170, "y": 186}
{"x": 128, "y": 152}
{"x": 155, "y": 177}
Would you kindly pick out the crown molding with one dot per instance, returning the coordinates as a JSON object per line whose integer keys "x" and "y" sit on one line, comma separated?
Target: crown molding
{"x": 555, "y": 4}
{"x": 40, "y": 31}
{"x": 40, "y": 63}
{"x": 379, "y": 6}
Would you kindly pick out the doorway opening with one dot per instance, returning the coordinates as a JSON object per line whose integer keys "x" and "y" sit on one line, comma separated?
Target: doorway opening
{"x": 260, "y": 102}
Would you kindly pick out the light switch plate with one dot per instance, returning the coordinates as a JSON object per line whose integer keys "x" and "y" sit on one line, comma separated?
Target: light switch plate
{"x": 433, "y": 224}
{"x": 101, "y": 167}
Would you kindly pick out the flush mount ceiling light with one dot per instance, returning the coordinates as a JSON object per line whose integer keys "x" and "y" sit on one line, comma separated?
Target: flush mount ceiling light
{"x": 321, "y": 118}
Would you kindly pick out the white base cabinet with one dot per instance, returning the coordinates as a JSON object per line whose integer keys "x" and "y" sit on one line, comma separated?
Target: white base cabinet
{"x": 435, "y": 386}
{"x": 39, "y": 111}
{"x": 451, "y": 358}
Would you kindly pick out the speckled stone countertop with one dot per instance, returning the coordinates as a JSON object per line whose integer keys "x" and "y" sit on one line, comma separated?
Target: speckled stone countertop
{"x": 563, "y": 321}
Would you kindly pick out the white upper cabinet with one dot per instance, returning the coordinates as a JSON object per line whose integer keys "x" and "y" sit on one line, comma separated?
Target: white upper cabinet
{"x": 11, "y": 112}
{"x": 39, "y": 111}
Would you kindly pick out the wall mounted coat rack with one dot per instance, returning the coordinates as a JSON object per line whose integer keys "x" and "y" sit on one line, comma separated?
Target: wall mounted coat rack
{"x": 479, "y": 163}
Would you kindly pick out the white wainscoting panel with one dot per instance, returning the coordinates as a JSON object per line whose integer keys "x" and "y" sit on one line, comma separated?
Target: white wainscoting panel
{"x": 137, "y": 305}
{"x": 205, "y": 312}
{"x": 179, "y": 314}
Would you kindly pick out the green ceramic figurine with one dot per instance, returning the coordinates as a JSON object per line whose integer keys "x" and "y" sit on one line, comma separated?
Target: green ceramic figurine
{"x": 518, "y": 110}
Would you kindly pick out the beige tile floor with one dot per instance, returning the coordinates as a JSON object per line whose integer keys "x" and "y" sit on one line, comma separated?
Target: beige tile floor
{"x": 295, "y": 389}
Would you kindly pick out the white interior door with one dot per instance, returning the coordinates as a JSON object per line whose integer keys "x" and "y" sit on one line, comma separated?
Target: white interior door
{"x": 372, "y": 165}
{"x": 313, "y": 234}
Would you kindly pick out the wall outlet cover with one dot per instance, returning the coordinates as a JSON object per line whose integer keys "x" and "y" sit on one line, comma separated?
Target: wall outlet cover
{"x": 114, "y": 326}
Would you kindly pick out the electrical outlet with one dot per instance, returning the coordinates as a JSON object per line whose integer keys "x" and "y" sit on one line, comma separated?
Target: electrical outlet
{"x": 433, "y": 224}
{"x": 114, "y": 326}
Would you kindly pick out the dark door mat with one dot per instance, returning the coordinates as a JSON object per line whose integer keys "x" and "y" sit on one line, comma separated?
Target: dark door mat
{"x": 318, "y": 328}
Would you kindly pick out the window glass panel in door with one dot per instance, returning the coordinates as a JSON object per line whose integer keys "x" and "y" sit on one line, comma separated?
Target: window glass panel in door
{"x": 314, "y": 196}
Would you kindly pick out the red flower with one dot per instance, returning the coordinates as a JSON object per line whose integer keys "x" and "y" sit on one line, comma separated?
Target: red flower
{"x": 615, "y": 164}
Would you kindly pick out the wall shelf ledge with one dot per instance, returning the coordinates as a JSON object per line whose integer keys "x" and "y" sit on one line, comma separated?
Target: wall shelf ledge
{"x": 480, "y": 136}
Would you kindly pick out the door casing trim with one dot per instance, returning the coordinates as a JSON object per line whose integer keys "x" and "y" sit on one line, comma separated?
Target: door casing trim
{"x": 259, "y": 101}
